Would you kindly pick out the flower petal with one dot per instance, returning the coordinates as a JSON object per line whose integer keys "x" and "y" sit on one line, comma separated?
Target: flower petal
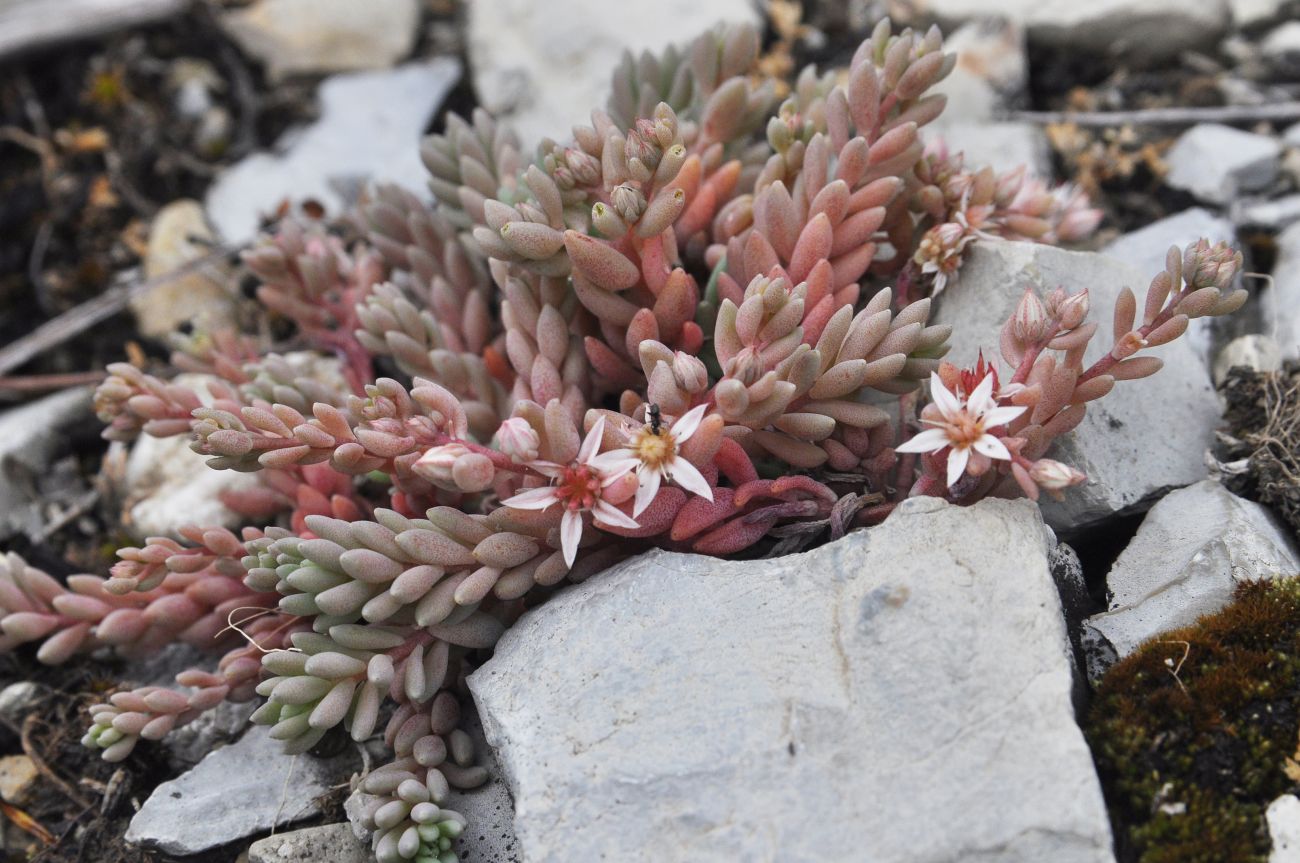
{"x": 930, "y": 440}
{"x": 947, "y": 403}
{"x": 534, "y": 498}
{"x": 1002, "y": 416}
{"x": 646, "y": 489}
{"x": 981, "y": 400}
{"x": 605, "y": 511}
{"x": 990, "y": 446}
{"x": 687, "y": 423}
{"x": 689, "y": 477}
{"x": 570, "y": 535}
{"x": 957, "y": 460}
{"x": 591, "y": 443}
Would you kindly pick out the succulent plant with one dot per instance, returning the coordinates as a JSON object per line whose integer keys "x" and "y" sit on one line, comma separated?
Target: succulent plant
{"x": 702, "y": 324}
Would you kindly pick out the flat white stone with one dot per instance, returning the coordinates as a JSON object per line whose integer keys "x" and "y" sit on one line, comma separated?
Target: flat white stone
{"x": 1283, "y": 816}
{"x": 369, "y": 130}
{"x": 1217, "y": 163}
{"x": 544, "y": 67}
{"x": 1191, "y": 551}
{"x": 317, "y": 36}
{"x": 31, "y": 24}
{"x": 901, "y": 694}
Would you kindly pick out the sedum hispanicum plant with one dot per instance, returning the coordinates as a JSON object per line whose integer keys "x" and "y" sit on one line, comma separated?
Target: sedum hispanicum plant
{"x": 701, "y": 324}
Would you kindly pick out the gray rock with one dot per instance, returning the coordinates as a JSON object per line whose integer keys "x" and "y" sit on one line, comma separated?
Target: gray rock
{"x": 1281, "y": 47}
{"x": 240, "y": 790}
{"x": 1280, "y": 300}
{"x": 1252, "y": 13}
{"x": 990, "y": 75}
{"x": 187, "y": 745}
{"x": 542, "y": 74}
{"x": 1271, "y": 215}
{"x": 1144, "y": 250}
{"x": 27, "y": 25}
{"x": 1217, "y": 163}
{"x": 333, "y": 843}
{"x": 179, "y": 235}
{"x": 369, "y": 129}
{"x": 1256, "y": 352}
{"x": 1000, "y": 145}
{"x": 824, "y": 706}
{"x": 1283, "y": 816}
{"x": 1192, "y": 549}
{"x": 30, "y": 437}
{"x": 1142, "y": 439}
{"x": 318, "y": 36}
{"x": 168, "y": 486}
{"x": 17, "y": 699}
{"x": 1144, "y": 30}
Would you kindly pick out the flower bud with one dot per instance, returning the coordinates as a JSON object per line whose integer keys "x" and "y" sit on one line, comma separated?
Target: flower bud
{"x": 517, "y": 439}
{"x": 584, "y": 166}
{"x": 628, "y": 202}
{"x": 1055, "y": 476}
{"x": 1073, "y": 310}
{"x": 1029, "y": 323}
{"x": 690, "y": 373}
{"x": 437, "y": 463}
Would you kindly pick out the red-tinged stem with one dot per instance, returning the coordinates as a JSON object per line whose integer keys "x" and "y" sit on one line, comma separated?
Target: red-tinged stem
{"x": 1031, "y": 355}
{"x": 873, "y": 515}
{"x": 1106, "y": 363}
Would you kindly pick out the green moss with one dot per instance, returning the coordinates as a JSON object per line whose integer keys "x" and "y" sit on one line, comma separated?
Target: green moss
{"x": 1192, "y": 732}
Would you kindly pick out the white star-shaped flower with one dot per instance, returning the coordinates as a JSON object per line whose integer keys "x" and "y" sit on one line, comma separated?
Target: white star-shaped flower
{"x": 963, "y": 426}
{"x": 656, "y": 457}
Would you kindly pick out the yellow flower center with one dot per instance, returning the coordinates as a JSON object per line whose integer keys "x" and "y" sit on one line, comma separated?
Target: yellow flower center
{"x": 654, "y": 450}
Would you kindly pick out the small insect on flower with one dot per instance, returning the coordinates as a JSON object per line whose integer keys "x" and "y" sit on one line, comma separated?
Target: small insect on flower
{"x": 963, "y": 426}
{"x": 654, "y": 452}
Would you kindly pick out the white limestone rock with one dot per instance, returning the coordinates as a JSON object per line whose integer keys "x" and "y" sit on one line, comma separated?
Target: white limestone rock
{"x": 240, "y": 790}
{"x": 1217, "y": 163}
{"x": 1256, "y": 352}
{"x": 901, "y": 694}
{"x": 1003, "y": 146}
{"x": 1283, "y": 816}
{"x": 178, "y": 236}
{"x": 1280, "y": 300}
{"x": 1142, "y": 439}
{"x": 333, "y": 843}
{"x": 28, "y": 25}
{"x": 1142, "y": 30}
{"x": 1192, "y": 549}
{"x": 369, "y": 130}
{"x": 32, "y": 435}
{"x": 293, "y": 37}
{"x": 1268, "y": 215}
{"x": 543, "y": 67}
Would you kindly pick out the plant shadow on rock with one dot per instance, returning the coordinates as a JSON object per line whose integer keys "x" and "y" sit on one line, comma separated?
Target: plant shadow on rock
{"x": 1194, "y": 734}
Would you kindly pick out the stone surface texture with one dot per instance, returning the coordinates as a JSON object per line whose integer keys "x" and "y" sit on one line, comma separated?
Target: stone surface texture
{"x": 1217, "y": 163}
{"x": 369, "y": 130}
{"x": 1143, "y": 30}
{"x": 179, "y": 235}
{"x": 30, "y": 436}
{"x": 316, "y": 36}
{"x": 543, "y": 74}
{"x": 1192, "y": 549}
{"x": 1142, "y": 439}
{"x": 168, "y": 485}
{"x": 30, "y": 24}
{"x": 333, "y": 843}
{"x": 1283, "y": 816}
{"x": 1256, "y": 352}
{"x": 1280, "y": 301}
{"x": 240, "y": 790}
{"x": 825, "y": 706}
{"x": 1271, "y": 215}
